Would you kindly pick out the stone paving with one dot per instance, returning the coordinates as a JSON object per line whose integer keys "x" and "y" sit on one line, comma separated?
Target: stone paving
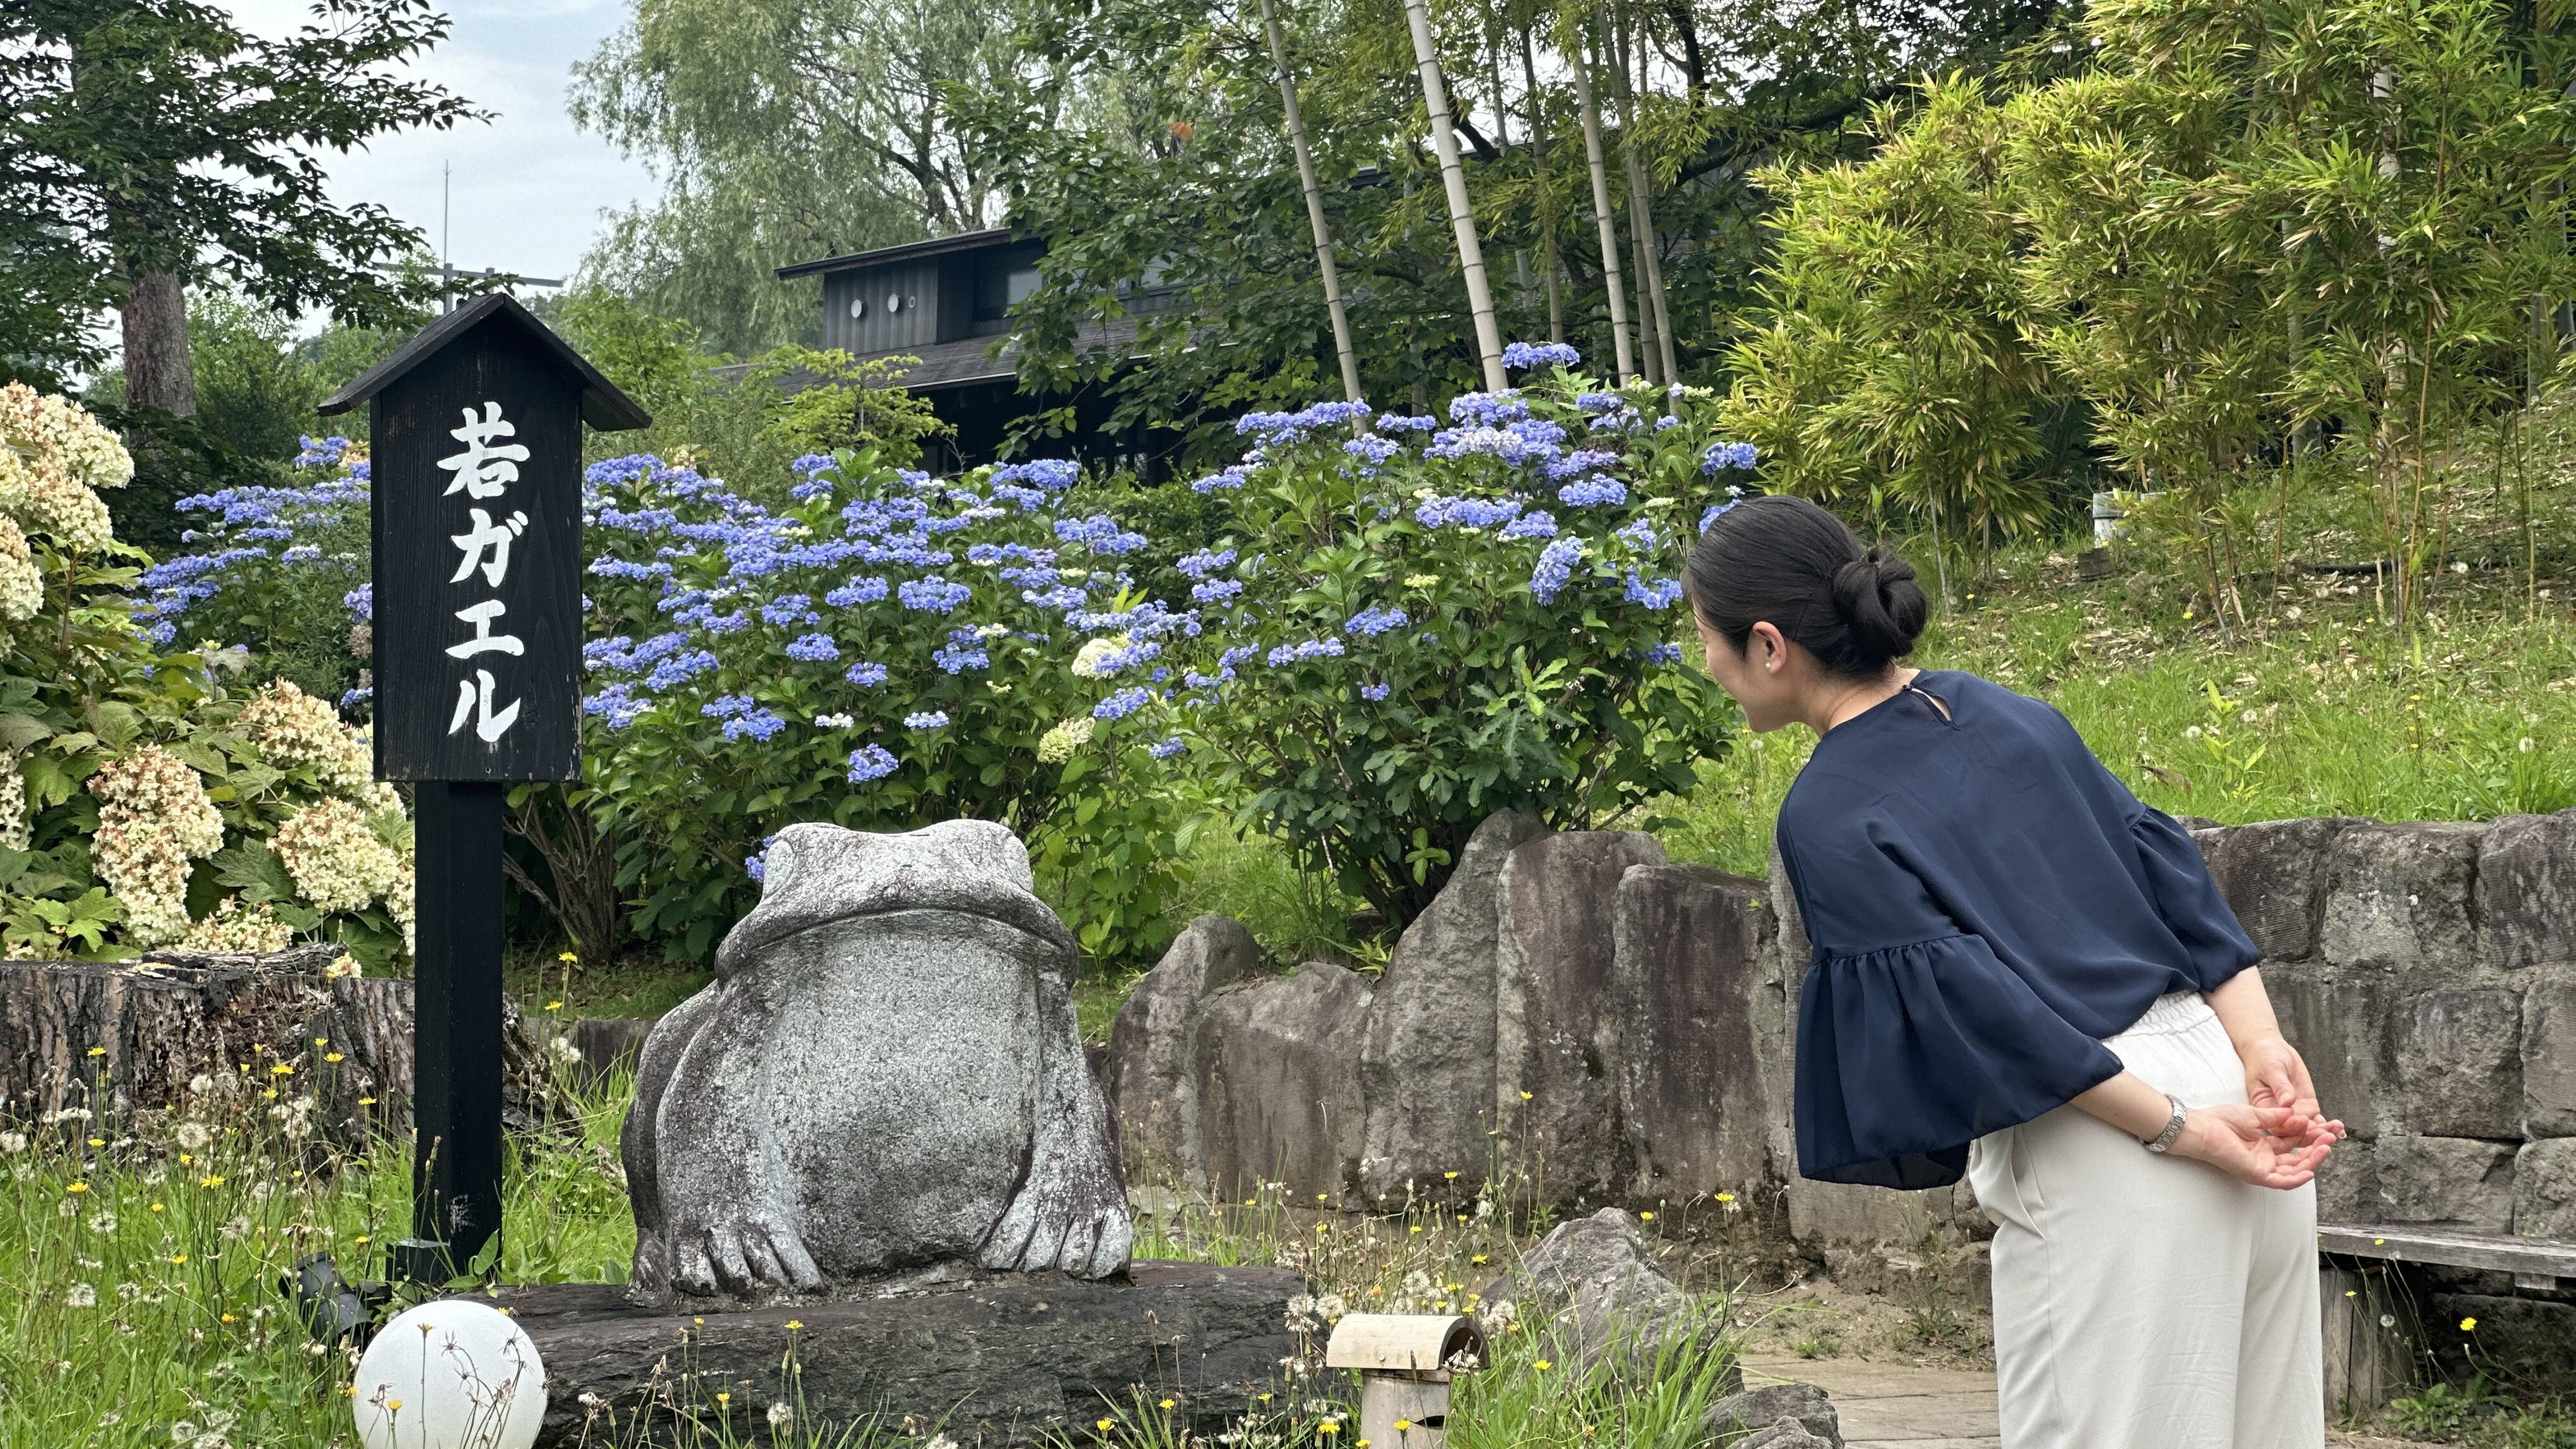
{"x": 1895, "y": 1405}
{"x": 1901, "y": 1406}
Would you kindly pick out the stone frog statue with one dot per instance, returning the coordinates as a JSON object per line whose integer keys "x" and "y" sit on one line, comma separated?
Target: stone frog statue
{"x": 885, "y": 1079}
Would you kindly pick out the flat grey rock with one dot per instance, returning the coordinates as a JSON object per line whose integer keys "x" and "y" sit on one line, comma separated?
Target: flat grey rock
{"x": 1003, "y": 1359}
{"x": 1800, "y": 1404}
{"x": 884, "y": 1080}
{"x": 1592, "y": 1289}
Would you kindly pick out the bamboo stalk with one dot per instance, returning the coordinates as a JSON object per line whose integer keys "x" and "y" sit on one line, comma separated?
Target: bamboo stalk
{"x": 1546, "y": 193}
{"x": 1651, "y": 311}
{"x": 1453, "y": 176}
{"x": 1621, "y": 353}
{"x": 1314, "y": 209}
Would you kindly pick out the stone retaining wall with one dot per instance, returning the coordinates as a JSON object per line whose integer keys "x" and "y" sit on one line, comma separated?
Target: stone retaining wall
{"x": 1618, "y": 1028}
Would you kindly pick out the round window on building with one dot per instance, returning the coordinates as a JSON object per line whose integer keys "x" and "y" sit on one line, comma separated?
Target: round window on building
{"x": 858, "y": 306}
{"x": 894, "y": 302}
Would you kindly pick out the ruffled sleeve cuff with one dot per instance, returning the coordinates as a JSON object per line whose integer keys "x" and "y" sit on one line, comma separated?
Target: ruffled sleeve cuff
{"x": 2214, "y": 944}
{"x": 1909, "y": 1053}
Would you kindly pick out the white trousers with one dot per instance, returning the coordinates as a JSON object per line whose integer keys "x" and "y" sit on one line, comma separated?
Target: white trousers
{"x": 2146, "y": 1302}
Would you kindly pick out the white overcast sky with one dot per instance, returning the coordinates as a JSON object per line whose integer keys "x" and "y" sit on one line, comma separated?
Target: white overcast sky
{"x": 528, "y": 188}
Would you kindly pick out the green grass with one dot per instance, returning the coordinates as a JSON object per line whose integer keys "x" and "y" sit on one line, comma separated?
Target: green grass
{"x": 145, "y": 1310}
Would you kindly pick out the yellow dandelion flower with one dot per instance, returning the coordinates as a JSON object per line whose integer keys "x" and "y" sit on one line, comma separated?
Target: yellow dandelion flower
{"x": 366, "y": 1101}
{"x": 98, "y": 1051}
{"x": 1168, "y": 1403}
{"x": 2468, "y": 1325}
{"x": 98, "y": 1142}
{"x": 394, "y": 1404}
{"x": 554, "y": 1006}
{"x": 77, "y": 1187}
{"x": 1329, "y": 1426}
{"x": 724, "y": 1398}
{"x": 568, "y": 957}
{"x": 228, "y": 1318}
{"x": 1542, "y": 1365}
{"x": 1726, "y": 1197}
{"x": 156, "y": 1207}
{"x": 1451, "y": 1176}
{"x": 1403, "y": 1424}
{"x": 1645, "y": 1217}
{"x": 1525, "y": 1096}
{"x": 1105, "y": 1425}
{"x": 333, "y": 1057}
{"x": 1478, "y": 1260}
{"x": 794, "y": 1324}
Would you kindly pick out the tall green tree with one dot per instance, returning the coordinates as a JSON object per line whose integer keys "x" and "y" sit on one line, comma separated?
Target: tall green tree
{"x": 152, "y": 144}
{"x": 784, "y": 130}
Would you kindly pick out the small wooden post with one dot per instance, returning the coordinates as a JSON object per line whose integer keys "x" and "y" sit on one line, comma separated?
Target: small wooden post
{"x": 476, "y": 523}
{"x": 1406, "y": 1361}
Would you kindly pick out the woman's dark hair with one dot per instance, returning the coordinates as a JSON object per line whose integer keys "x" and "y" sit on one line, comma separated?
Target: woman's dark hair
{"x": 1786, "y": 562}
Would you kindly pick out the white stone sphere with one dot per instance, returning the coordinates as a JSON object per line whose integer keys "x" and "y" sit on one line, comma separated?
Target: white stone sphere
{"x": 454, "y": 1374}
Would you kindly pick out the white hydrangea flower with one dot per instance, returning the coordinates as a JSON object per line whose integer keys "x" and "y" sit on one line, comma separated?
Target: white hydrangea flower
{"x": 154, "y": 819}
{"x": 13, "y": 805}
{"x": 22, "y": 584}
{"x": 1059, "y": 744}
{"x": 1087, "y": 661}
{"x": 293, "y": 728}
{"x": 74, "y": 516}
{"x": 337, "y": 862}
{"x": 233, "y": 928}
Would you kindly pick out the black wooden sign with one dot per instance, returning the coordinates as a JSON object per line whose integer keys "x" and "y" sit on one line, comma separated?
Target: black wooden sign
{"x": 477, "y": 491}
{"x": 477, "y": 537}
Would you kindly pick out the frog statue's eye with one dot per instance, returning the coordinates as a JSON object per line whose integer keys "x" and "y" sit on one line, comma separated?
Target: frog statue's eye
{"x": 777, "y": 863}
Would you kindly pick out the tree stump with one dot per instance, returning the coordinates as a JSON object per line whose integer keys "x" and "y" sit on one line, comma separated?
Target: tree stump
{"x": 83, "y": 1042}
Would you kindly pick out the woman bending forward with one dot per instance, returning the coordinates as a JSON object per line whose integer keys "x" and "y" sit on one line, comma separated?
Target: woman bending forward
{"x": 2023, "y": 974}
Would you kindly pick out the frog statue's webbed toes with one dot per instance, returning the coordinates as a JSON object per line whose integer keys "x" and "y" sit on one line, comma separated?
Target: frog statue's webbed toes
{"x": 751, "y": 1253}
{"x": 1070, "y": 1232}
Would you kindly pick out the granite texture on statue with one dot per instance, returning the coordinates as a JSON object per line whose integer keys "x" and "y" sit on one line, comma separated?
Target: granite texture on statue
{"x": 883, "y": 1086}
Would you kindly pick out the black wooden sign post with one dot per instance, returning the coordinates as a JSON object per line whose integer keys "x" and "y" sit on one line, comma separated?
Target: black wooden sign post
{"x": 477, "y": 558}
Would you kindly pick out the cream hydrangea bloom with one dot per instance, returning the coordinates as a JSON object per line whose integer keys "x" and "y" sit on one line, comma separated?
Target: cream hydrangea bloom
{"x": 293, "y": 728}
{"x": 13, "y": 805}
{"x": 22, "y": 585}
{"x": 53, "y": 455}
{"x": 336, "y": 860}
{"x": 154, "y": 818}
{"x": 234, "y": 928}
{"x": 1059, "y": 744}
{"x": 1088, "y": 659}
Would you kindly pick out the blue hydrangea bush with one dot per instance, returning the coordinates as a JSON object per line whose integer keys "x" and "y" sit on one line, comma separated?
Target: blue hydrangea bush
{"x": 888, "y": 650}
{"x": 1409, "y": 623}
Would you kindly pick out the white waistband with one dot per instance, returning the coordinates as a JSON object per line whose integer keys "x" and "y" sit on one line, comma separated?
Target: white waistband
{"x": 2176, "y": 1011}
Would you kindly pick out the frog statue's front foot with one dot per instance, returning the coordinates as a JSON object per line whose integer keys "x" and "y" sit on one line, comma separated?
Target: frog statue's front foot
{"x": 884, "y": 1078}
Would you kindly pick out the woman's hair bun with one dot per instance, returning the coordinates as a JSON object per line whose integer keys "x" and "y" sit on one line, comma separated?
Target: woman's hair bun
{"x": 1784, "y": 561}
{"x": 1877, "y": 600}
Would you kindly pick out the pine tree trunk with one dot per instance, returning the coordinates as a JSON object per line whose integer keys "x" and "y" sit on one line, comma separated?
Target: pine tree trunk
{"x": 1314, "y": 209}
{"x": 1453, "y": 175}
{"x": 157, "y": 371}
{"x": 1620, "y": 352}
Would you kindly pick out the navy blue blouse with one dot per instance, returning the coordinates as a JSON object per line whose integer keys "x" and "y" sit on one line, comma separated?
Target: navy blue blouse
{"x": 1986, "y": 902}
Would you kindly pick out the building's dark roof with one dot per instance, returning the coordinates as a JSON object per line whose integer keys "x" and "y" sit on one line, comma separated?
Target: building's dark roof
{"x": 964, "y": 241}
{"x": 602, "y": 405}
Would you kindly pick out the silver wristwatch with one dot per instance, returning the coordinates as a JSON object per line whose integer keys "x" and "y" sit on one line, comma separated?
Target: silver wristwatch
{"x": 2164, "y": 1140}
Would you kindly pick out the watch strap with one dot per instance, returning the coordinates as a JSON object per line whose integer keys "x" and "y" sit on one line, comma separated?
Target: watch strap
{"x": 2164, "y": 1141}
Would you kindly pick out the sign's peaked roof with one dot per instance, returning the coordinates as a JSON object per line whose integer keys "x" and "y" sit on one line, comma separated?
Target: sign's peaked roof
{"x": 602, "y": 405}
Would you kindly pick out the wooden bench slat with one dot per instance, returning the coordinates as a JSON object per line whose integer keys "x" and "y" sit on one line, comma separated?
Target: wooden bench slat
{"x": 2523, "y": 1257}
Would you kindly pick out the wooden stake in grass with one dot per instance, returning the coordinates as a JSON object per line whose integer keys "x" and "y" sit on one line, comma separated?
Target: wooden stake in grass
{"x": 1453, "y": 176}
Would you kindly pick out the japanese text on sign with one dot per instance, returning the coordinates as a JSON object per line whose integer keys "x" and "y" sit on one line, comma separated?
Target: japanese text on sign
{"x": 484, "y": 470}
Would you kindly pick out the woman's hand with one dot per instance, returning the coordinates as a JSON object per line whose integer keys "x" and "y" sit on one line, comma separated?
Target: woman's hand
{"x": 2266, "y": 1146}
{"x": 2277, "y": 1076}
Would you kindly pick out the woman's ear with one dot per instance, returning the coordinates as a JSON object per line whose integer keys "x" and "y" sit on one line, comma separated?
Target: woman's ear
{"x": 1765, "y": 649}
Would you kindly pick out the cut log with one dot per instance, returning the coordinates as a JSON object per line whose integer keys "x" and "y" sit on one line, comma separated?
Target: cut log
{"x": 218, "y": 1033}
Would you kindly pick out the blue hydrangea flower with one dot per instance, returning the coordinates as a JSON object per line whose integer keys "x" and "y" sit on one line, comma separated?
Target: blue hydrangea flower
{"x": 1726, "y": 455}
{"x": 1711, "y": 515}
{"x": 1311, "y": 649}
{"x": 1050, "y": 474}
{"x": 1540, "y": 354}
{"x": 871, "y": 762}
{"x": 933, "y": 595}
{"x": 1373, "y": 691}
{"x": 789, "y": 609}
{"x": 928, "y": 719}
{"x": 1166, "y": 747}
{"x": 1596, "y": 491}
{"x": 1555, "y": 568}
{"x": 1487, "y": 409}
{"x": 1373, "y": 621}
{"x": 1655, "y": 594}
{"x": 1124, "y": 703}
{"x": 1533, "y": 524}
{"x": 1664, "y": 654}
{"x": 814, "y": 649}
{"x": 1399, "y": 423}
{"x": 1465, "y": 512}
{"x": 1639, "y": 535}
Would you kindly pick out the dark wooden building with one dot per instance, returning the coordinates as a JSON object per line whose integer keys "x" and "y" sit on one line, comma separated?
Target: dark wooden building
{"x": 948, "y": 301}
